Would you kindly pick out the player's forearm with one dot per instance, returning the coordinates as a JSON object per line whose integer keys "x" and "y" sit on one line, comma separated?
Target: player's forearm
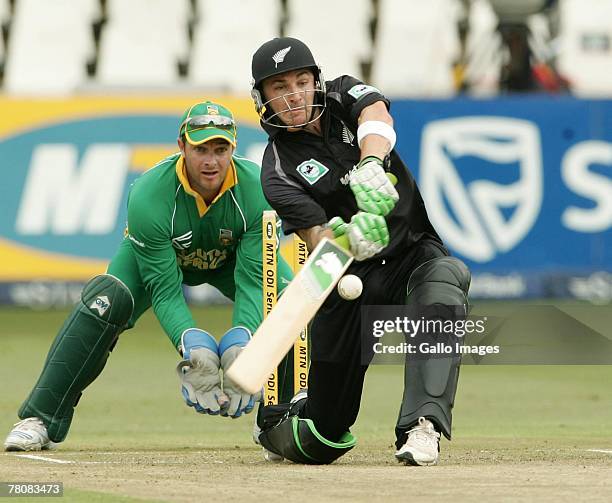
{"x": 162, "y": 279}
{"x": 374, "y": 144}
{"x": 313, "y": 235}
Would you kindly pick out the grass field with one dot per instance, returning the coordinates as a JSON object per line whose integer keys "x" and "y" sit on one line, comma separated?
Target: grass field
{"x": 521, "y": 433}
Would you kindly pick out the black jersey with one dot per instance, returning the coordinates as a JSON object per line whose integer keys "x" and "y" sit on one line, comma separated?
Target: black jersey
{"x": 305, "y": 177}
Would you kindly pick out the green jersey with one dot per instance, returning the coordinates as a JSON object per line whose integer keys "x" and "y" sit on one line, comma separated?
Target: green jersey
{"x": 173, "y": 238}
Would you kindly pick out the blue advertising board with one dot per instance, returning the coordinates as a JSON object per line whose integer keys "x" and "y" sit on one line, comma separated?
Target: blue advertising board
{"x": 520, "y": 188}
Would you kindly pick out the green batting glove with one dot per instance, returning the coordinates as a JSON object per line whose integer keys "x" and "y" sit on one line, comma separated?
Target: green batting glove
{"x": 337, "y": 226}
{"x": 373, "y": 189}
{"x": 368, "y": 235}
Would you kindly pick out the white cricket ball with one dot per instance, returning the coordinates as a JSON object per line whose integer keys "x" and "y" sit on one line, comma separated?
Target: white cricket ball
{"x": 350, "y": 287}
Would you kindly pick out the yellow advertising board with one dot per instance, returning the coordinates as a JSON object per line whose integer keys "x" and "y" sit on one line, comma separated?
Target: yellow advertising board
{"x": 66, "y": 167}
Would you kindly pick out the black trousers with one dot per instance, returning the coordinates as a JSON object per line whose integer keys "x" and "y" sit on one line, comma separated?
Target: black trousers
{"x": 335, "y": 381}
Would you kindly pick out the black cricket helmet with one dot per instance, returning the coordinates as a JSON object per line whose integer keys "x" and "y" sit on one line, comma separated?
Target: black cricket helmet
{"x": 278, "y": 56}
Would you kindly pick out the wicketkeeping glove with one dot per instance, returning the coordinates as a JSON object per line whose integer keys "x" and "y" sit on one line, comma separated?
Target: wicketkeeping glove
{"x": 374, "y": 191}
{"x": 199, "y": 372}
{"x": 367, "y": 233}
{"x": 230, "y": 346}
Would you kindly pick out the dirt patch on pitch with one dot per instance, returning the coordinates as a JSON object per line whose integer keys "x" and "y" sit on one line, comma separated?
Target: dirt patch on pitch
{"x": 471, "y": 470}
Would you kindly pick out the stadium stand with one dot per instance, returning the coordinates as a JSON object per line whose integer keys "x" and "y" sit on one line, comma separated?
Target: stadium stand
{"x": 143, "y": 42}
{"x": 338, "y": 51}
{"x": 408, "y": 48}
{"x": 5, "y": 12}
{"x": 414, "y": 54}
{"x": 49, "y": 45}
{"x": 484, "y": 55}
{"x": 224, "y": 41}
{"x": 172, "y": 12}
{"x": 517, "y": 11}
{"x": 585, "y": 46}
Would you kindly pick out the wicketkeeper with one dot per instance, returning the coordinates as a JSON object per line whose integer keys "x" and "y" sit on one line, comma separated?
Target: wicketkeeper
{"x": 324, "y": 172}
{"x": 193, "y": 218}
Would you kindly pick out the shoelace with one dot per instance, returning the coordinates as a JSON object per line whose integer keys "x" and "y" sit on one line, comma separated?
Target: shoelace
{"x": 27, "y": 420}
{"x": 424, "y": 433}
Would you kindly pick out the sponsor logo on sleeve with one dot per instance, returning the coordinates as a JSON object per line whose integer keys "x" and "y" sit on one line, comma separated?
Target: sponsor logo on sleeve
{"x": 346, "y": 179}
{"x": 361, "y": 90}
{"x": 135, "y": 241}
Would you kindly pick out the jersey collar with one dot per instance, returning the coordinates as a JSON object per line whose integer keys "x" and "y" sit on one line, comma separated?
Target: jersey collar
{"x": 231, "y": 179}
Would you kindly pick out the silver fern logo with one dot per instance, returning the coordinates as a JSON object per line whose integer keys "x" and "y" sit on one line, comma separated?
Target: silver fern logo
{"x": 347, "y": 136}
{"x": 279, "y": 56}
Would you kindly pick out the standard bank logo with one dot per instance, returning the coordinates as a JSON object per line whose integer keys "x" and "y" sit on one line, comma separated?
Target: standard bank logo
{"x": 481, "y": 178}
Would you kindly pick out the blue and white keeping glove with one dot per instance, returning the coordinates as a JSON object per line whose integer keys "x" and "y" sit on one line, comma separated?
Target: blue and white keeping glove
{"x": 199, "y": 372}
{"x": 230, "y": 346}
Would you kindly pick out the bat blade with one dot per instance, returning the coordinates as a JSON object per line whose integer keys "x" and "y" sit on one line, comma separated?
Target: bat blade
{"x": 296, "y": 307}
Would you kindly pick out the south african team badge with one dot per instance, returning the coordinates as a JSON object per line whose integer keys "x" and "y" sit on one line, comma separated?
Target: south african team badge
{"x": 312, "y": 171}
{"x": 225, "y": 237}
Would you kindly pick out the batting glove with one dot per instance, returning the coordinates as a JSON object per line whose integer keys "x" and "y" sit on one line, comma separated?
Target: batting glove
{"x": 337, "y": 226}
{"x": 199, "y": 372}
{"x": 368, "y": 235}
{"x": 230, "y": 346}
{"x": 373, "y": 190}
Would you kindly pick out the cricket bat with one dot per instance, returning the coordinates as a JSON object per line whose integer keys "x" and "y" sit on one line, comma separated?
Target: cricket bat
{"x": 295, "y": 308}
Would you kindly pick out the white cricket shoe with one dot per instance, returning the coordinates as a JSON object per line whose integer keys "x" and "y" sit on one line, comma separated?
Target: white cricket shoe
{"x": 272, "y": 457}
{"x": 422, "y": 446}
{"x": 28, "y": 435}
{"x": 256, "y": 433}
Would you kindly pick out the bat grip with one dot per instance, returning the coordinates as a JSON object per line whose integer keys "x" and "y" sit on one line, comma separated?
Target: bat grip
{"x": 343, "y": 242}
{"x": 392, "y": 178}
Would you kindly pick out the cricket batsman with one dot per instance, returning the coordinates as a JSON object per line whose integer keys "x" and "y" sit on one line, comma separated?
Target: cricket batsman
{"x": 325, "y": 172}
{"x": 193, "y": 218}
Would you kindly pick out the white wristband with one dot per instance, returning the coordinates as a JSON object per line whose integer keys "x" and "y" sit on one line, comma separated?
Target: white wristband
{"x": 376, "y": 127}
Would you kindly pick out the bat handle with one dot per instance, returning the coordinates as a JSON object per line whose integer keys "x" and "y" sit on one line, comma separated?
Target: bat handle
{"x": 343, "y": 242}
